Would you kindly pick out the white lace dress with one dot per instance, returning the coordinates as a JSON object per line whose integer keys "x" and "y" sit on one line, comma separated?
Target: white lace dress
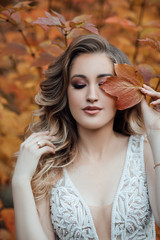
{"x": 131, "y": 217}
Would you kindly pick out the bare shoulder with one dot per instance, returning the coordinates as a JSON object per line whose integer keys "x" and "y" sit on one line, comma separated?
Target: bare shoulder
{"x": 43, "y": 207}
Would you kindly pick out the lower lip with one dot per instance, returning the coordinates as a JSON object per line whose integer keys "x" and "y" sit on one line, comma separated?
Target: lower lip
{"x": 92, "y": 112}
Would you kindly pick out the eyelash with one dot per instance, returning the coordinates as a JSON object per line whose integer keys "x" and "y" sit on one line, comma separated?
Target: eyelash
{"x": 80, "y": 86}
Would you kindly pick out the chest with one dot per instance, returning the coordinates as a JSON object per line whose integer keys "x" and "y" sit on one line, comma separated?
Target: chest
{"x": 97, "y": 185}
{"x": 97, "y": 182}
{"x": 130, "y": 215}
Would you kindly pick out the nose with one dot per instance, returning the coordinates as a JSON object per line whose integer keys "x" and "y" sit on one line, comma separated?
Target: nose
{"x": 92, "y": 94}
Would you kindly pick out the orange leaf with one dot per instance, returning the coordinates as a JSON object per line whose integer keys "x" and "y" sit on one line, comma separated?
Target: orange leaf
{"x": 14, "y": 48}
{"x": 23, "y": 5}
{"x": 16, "y": 17}
{"x": 44, "y": 59}
{"x": 124, "y": 86}
{"x": 90, "y": 27}
{"x": 81, "y": 19}
{"x": 147, "y": 71}
{"x": 152, "y": 43}
{"x": 125, "y": 23}
{"x": 154, "y": 23}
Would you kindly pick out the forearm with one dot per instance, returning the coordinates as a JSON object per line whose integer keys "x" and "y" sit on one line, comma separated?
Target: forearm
{"x": 27, "y": 221}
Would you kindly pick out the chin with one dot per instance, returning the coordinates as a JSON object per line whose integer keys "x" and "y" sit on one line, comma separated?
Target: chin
{"x": 91, "y": 126}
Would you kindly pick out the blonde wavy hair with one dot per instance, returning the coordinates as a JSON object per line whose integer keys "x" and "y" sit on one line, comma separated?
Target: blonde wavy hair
{"x": 54, "y": 114}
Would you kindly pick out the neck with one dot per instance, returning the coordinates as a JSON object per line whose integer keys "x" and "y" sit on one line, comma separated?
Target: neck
{"x": 94, "y": 144}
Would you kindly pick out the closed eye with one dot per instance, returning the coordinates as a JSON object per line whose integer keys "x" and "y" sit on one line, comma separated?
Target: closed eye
{"x": 100, "y": 84}
{"x": 78, "y": 86}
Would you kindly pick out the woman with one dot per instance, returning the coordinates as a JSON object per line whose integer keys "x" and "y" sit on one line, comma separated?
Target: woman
{"x": 83, "y": 173}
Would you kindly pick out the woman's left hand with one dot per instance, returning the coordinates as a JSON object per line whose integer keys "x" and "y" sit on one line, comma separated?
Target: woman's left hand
{"x": 151, "y": 115}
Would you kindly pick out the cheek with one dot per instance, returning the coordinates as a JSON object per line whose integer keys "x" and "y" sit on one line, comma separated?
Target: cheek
{"x": 110, "y": 103}
{"x": 73, "y": 99}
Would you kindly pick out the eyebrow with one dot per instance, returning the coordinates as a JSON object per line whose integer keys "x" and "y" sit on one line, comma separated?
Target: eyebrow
{"x": 79, "y": 75}
{"x": 105, "y": 75}
{"x": 99, "y": 76}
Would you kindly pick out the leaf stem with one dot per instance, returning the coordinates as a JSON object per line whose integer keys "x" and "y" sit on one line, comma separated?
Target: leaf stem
{"x": 65, "y": 39}
{"x": 27, "y": 42}
{"x": 23, "y": 36}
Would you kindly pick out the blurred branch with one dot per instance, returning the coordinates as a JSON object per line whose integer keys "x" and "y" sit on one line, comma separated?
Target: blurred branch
{"x": 49, "y": 5}
{"x": 27, "y": 43}
{"x": 140, "y": 19}
{"x": 23, "y": 36}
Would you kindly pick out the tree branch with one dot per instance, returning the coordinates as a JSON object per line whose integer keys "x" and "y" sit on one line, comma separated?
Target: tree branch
{"x": 138, "y": 34}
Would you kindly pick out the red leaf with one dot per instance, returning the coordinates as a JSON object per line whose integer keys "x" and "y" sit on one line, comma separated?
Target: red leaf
{"x": 51, "y": 48}
{"x": 14, "y": 48}
{"x": 23, "y": 5}
{"x": 154, "y": 23}
{"x": 75, "y": 33}
{"x": 125, "y": 23}
{"x": 16, "y": 17}
{"x": 147, "y": 71}
{"x": 90, "y": 27}
{"x": 81, "y": 19}
{"x": 152, "y": 43}
{"x": 44, "y": 59}
{"x": 125, "y": 86}
{"x": 49, "y": 21}
{"x": 60, "y": 17}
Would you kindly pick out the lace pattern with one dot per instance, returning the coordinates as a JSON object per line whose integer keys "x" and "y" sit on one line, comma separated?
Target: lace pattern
{"x": 131, "y": 212}
{"x": 71, "y": 220}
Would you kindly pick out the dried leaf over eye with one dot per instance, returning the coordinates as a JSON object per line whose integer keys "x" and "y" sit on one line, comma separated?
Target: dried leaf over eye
{"x": 124, "y": 86}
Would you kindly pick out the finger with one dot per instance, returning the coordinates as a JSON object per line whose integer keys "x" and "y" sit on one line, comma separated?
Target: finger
{"x": 147, "y": 87}
{"x": 44, "y": 142}
{"x": 33, "y": 142}
{"x": 157, "y": 102}
{"x": 38, "y": 134}
{"x": 151, "y": 93}
{"x": 45, "y": 150}
{"x": 38, "y": 137}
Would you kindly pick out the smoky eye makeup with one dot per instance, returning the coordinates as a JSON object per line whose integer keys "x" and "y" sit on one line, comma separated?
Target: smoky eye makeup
{"x": 78, "y": 83}
{"x": 78, "y": 86}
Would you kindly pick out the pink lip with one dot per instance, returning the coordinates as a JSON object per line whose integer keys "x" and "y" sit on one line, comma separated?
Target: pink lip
{"x": 92, "y": 109}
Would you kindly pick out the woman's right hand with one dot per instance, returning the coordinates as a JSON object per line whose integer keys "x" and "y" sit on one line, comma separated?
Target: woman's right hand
{"x": 30, "y": 152}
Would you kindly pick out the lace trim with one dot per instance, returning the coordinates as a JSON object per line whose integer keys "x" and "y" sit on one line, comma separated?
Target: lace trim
{"x": 119, "y": 186}
{"x": 131, "y": 213}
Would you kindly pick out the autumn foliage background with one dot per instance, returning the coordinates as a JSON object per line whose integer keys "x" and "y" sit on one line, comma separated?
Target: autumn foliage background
{"x": 33, "y": 33}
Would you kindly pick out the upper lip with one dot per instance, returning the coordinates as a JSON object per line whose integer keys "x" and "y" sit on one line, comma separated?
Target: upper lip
{"x": 92, "y": 108}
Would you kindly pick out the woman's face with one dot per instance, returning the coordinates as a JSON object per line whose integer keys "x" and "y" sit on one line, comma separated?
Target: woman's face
{"x": 89, "y": 105}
